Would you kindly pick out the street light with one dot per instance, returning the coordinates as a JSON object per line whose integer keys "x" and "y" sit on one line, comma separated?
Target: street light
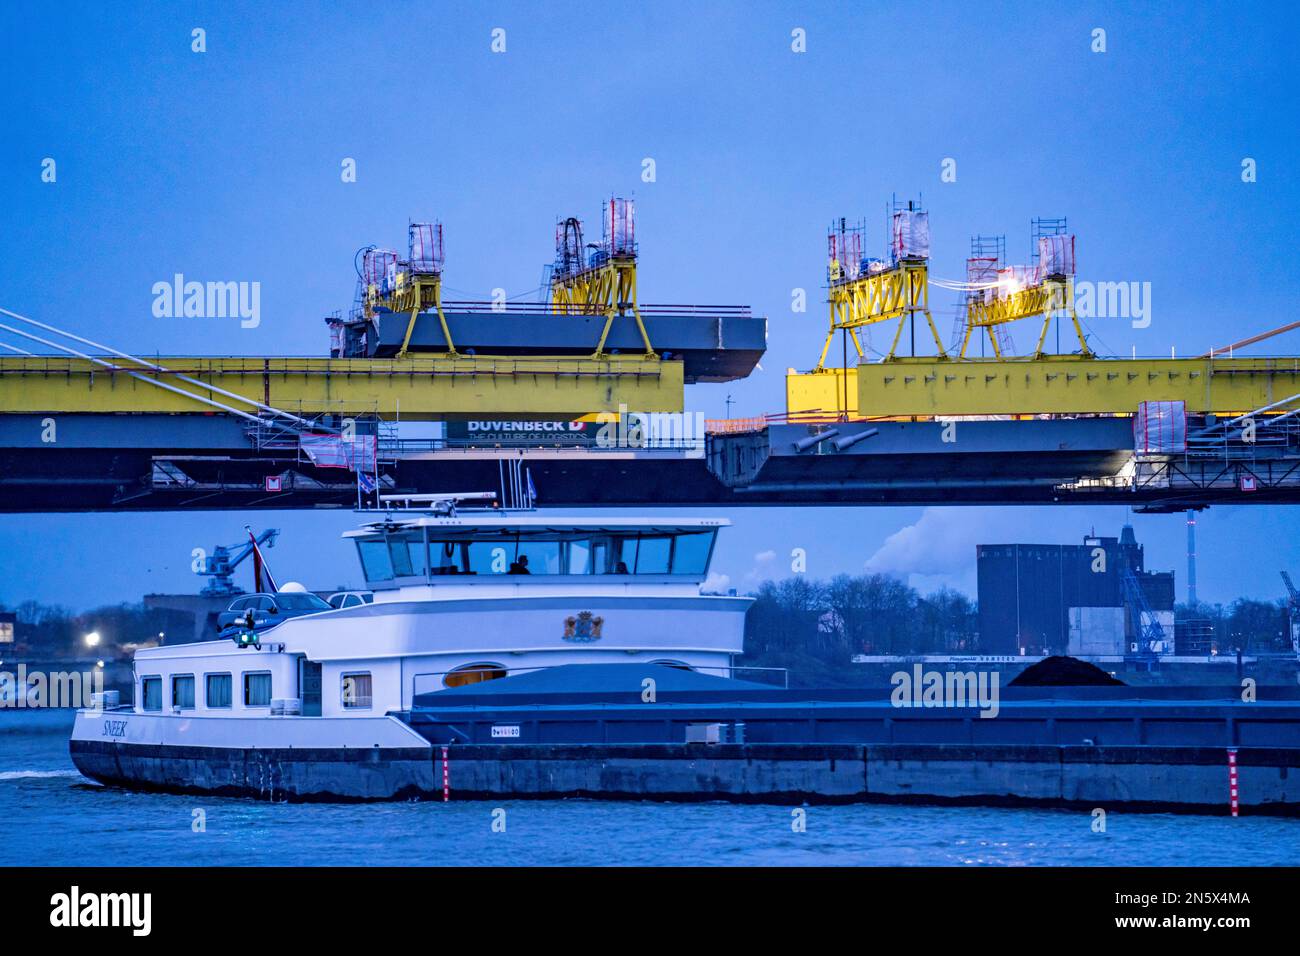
{"x": 92, "y": 639}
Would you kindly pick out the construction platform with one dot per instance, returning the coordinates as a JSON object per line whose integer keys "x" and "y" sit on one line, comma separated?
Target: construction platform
{"x": 413, "y": 388}
{"x": 1053, "y": 384}
{"x": 714, "y": 343}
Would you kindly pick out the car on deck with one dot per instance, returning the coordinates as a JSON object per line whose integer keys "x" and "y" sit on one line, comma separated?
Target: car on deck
{"x": 265, "y": 611}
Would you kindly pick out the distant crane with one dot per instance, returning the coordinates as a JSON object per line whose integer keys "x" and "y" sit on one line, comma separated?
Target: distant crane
{"x": 220, "y": 565}
{"x": 1293, "y": 613}
{"x": 1152, "y": 640}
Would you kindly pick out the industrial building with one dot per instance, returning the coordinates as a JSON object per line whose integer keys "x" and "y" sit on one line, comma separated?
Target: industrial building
{"x": 1094, "y": 599}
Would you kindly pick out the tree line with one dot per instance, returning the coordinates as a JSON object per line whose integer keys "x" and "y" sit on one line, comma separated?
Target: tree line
{"x": 814, "y": 628}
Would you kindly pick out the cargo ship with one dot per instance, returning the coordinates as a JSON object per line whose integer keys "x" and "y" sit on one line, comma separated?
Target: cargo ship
{"x": 520, "y": 655}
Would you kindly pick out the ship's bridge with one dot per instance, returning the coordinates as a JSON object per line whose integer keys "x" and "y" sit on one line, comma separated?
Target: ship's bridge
{"x": 502, "y": 548}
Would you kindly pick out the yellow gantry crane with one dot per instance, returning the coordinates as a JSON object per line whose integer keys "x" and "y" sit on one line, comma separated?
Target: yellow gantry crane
{"x": 413, "y": 285}
{"x": 1017, "y": 293}
{"x": 865, "y": 292}
{"x": 604, "y": 281}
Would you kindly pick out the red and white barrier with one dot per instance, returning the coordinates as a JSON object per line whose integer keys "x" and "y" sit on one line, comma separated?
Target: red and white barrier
{"x": 1231, "y": 779}
{"x": 446, "y": 782}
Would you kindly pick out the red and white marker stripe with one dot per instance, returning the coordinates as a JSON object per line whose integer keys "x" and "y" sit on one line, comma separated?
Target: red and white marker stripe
{"x": 1231, "y": 779}
{"x": 446, "y": 783}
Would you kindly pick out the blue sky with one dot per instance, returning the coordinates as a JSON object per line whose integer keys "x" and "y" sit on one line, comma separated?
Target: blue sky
{"x": 225, "y": 165}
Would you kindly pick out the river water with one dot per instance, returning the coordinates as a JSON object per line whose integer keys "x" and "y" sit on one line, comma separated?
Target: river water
{"x": 50, "y": 815}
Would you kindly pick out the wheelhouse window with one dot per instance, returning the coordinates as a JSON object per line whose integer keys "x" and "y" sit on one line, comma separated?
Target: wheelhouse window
{"x": 536, "y": 551}
{"x": 257, "y": 690}
{"x": 183, "y": 691}
{"x": 446, "y": 557}
{"x": 216, "y": 691}
{"x": 151, "y": 693}
{"x": 691, "y": 552}
{"x": 375, "y": 560}
{"x": 358, "y": 691}
{"x": 653, "y": 555}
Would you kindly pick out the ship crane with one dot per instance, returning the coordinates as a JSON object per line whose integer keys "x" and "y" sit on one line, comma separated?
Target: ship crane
{"x": 220, "y": 565}
{"x": 865, "y": 292}
{"x": 599, "y": 278}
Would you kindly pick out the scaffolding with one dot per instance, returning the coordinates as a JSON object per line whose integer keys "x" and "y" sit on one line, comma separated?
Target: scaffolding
{"x": 602, "y": 282}
{"x": 866, "y": 291}
{"x": 1044, "y": 289}
{"x": 987, "y": 256}
{"x": 412, "y": 285}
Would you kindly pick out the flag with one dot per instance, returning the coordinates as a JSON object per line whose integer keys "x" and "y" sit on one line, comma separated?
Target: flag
{"x": 365, "y": 482}
{"x": 260, "y": 569}
{"x": 532, "y": 490}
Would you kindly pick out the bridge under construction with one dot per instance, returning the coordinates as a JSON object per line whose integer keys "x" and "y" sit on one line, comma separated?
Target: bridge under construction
{"x": 85, "y": 426}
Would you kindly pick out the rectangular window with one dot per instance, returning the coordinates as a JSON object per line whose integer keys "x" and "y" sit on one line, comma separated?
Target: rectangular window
{"x": 652, "y": 555}
{"x": 538, "y": 557}
{"x": 183, "y": 691}
{"x": 358, "y": 691}
{"x": 445, "y": 557}
{"x": 257, "y": 690}
{"x": 217, "y": 690}
{"x": 490, "y": 557}
{"x": 579, "y": 557}
{"x": 151, "y": 693}
{"x": 405, "y": 552}
{"x": 691, "y": 552}
{"x": 375, "y": 560}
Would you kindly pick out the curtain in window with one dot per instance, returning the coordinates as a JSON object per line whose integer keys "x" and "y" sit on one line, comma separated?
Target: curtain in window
{"x": 357, "y": 690}
{"x": 183, "y": 692}
{"x": 257, "y": 690}
{"x": 218, "y": 690}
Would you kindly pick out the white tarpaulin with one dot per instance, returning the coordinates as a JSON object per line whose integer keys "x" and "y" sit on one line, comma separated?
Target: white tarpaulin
{"x": 1160, "y": 428}
{"x": 1056, "y": 255}
{"x": 334, "y": 451}
{"x": 911, "y": 234}
{"x": 426, "y": 247}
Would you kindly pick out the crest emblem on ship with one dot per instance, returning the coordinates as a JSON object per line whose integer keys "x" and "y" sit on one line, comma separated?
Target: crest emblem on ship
{"x": 583, "y": 629}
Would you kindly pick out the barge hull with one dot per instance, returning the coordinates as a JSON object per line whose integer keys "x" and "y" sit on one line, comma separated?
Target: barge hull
{"x": 1186, "y": 779}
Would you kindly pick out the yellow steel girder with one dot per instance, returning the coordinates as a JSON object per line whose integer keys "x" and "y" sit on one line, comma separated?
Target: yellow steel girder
{"x": 894, "y": 294}
{"x": 420, "y": 387}
{"x": 821, "y": 394}
{"x": 1071, "y": 385}
{"x": 608, "y": 289}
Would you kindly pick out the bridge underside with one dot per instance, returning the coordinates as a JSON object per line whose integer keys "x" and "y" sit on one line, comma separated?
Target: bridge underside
{"x": 178, "y": 462}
